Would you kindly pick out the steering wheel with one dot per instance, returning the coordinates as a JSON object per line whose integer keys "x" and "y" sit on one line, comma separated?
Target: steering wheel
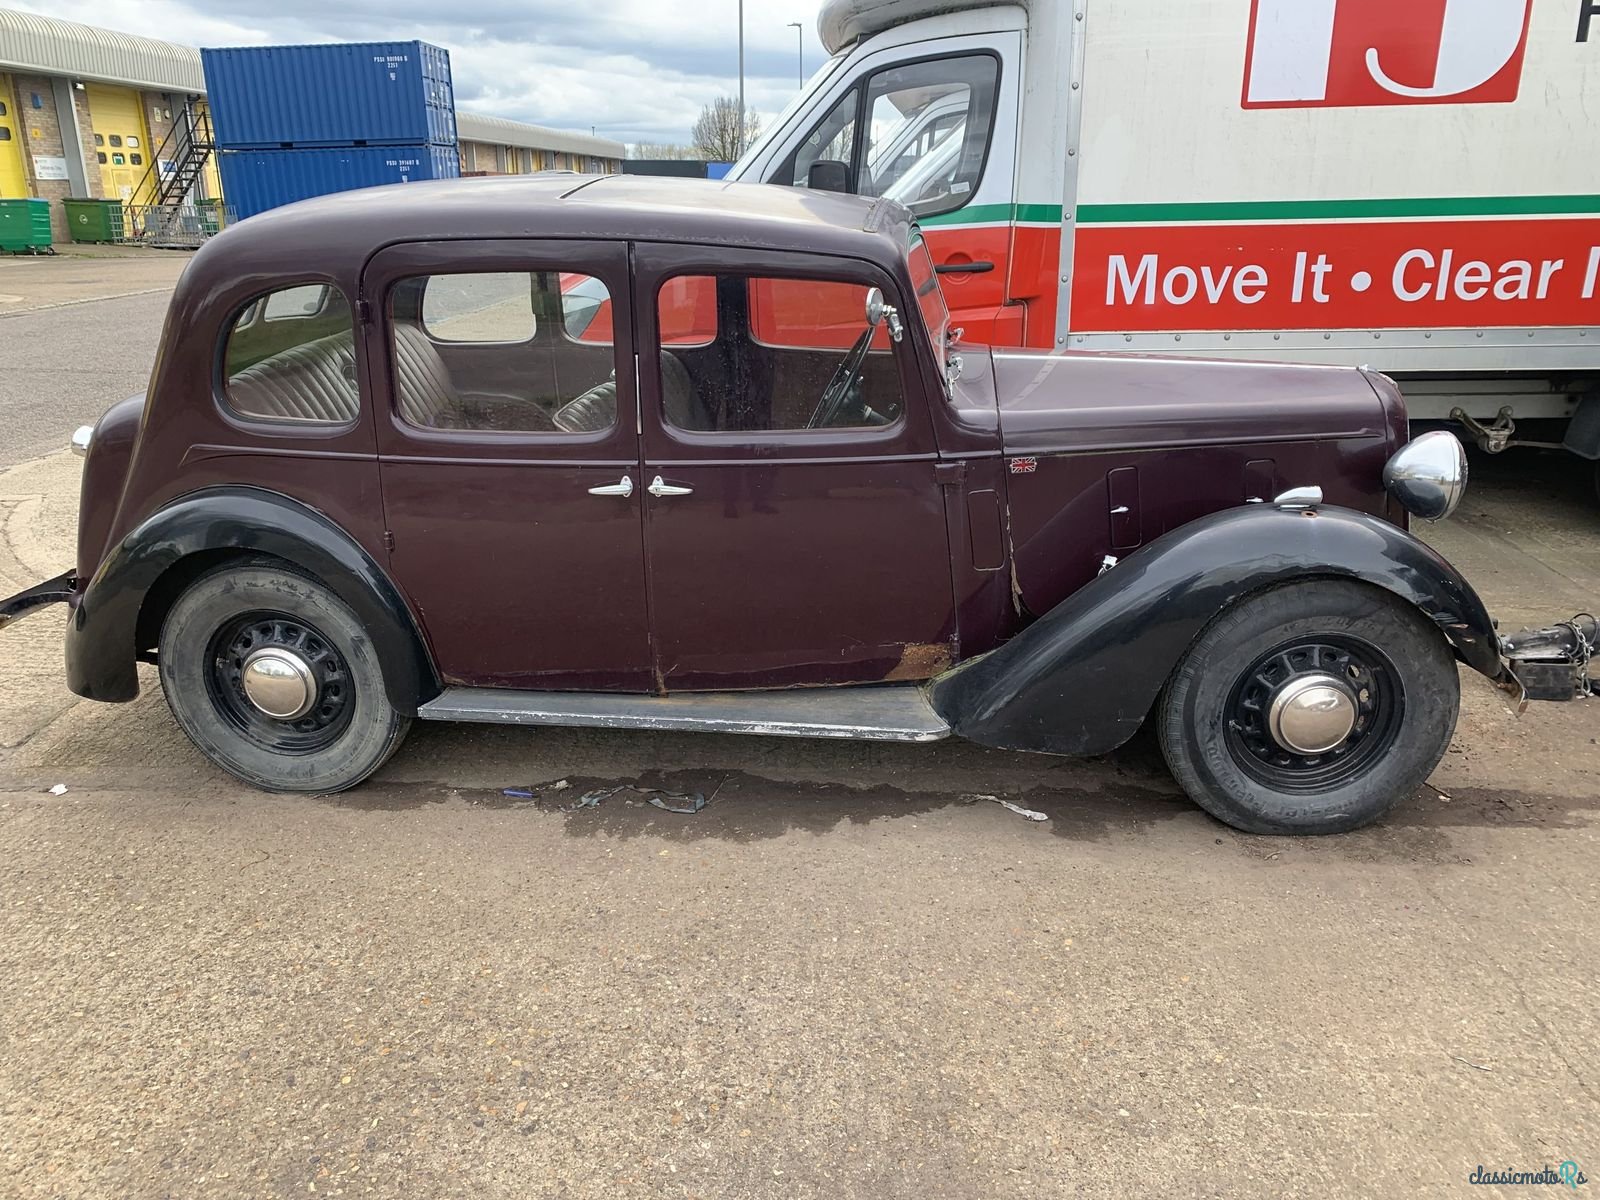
{"x": 837, "y": 393}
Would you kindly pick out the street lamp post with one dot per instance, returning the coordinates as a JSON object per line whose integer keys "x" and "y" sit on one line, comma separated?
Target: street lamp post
{"x": 799, "y": 51}
{"x": 740, "y": 154}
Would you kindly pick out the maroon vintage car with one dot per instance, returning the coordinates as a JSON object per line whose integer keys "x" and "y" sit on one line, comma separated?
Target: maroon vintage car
{"x": 669, "y": 455}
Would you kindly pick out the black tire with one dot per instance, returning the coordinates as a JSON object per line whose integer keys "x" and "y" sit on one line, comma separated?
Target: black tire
{"x": 1402, "y": 679}
{"x": 353, "y": 728}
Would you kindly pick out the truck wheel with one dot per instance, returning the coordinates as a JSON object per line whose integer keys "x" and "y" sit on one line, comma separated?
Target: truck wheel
{"x": 273, "y": 678}
{"x": 1311, "y": 708}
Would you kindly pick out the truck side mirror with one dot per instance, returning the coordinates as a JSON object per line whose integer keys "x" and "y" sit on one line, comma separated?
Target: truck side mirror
{"x": 828, "y": 175}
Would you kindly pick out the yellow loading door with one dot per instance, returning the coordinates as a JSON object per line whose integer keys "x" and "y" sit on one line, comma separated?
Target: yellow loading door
{"x": 121, "y": 142}
{"x": 13, "y": 179}
{"x": 211, "y": 182}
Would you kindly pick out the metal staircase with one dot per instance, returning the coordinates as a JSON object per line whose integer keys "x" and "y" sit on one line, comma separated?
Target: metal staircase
{"x": 172, "y": 217}
{"x": 193, "y": 149}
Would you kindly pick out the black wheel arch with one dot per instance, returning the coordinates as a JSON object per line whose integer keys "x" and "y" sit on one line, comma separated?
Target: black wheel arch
{"x": 1083, "y": 678}
{"x": 118, "y": 616}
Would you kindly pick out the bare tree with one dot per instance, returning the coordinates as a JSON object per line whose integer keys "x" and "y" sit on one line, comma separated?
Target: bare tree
{"x": 660, "y": 150}
{"x": 717, "y": 136}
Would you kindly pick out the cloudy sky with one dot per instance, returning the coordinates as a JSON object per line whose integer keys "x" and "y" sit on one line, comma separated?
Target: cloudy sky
{"x": 636, "y": 70}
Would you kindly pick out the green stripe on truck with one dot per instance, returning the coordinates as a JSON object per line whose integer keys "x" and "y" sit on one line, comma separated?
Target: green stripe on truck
{"x": 998, "y": 214}
{"x": 1273, "y": 210}
{"x": 1326, "y": 210}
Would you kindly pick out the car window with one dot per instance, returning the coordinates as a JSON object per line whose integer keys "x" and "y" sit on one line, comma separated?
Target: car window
{"x": 485, "y": 307}
{"x": 787, "y": 354}
{"x": 510, "y": 352}
{"x": 930, "y": 298}
{"x": 921, "y": 109}
{"x": 927, "y": 128}
{"x": 831, "y": 139}
{"x": 892, "y": 158}
{"x": 585, "y": 312}
{"x": 296, "y": 301}
{"x": 289, "y": 355}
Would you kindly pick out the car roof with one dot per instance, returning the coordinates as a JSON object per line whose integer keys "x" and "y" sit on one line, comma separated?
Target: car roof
{"x": 555, "y": 205}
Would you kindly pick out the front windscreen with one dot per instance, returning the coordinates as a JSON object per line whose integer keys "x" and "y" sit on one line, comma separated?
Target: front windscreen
{"x": 930, "y": 297}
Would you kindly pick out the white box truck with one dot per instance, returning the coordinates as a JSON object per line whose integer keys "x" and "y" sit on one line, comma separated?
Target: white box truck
{"x": 1412, "y": 185}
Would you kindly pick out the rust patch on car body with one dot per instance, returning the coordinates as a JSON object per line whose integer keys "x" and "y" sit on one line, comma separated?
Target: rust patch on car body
{"x": 921, "y": 660}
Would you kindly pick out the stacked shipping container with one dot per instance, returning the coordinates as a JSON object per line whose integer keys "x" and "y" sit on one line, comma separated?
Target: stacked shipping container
{"x": 298, "y": 121}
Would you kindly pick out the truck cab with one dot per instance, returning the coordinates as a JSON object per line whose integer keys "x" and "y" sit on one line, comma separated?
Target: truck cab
{"x": 928, "y": 87}
{"x": 1281, "y": 180}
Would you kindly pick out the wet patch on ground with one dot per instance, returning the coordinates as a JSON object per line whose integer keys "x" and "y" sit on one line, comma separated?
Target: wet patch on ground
{"x": 745, "y": 807}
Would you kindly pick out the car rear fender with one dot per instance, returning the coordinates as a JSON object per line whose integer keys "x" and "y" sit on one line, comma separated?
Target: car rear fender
{"x": 206, "y": 527}
{"x": 1082, "y": 678}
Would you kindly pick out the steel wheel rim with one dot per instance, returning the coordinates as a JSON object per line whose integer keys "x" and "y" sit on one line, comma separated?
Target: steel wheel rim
{"x": 1374, "y": 686}
{"x": 247, "y": 635}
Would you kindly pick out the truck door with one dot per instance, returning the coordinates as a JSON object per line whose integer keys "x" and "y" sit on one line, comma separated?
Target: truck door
{"x": 934, "y": 126}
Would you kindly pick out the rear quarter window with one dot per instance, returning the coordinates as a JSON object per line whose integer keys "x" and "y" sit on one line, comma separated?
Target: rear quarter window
{"x": 289, "y": 355}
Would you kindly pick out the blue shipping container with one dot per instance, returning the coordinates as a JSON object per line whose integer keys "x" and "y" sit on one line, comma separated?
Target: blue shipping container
{"x": 341, "y": 94}
{"x": 256, "y": 180}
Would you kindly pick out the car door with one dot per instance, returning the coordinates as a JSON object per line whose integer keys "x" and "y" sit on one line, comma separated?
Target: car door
{"x": 508, "y": 449}
{"x": 779, "y": 554}
{"x": 937, "y": 132}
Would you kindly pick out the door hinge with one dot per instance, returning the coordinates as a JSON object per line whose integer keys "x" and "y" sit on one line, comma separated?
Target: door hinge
{"x": 364, "y": 311}
{"x": 950, "y": 474}
{"x": 388, "y": 539}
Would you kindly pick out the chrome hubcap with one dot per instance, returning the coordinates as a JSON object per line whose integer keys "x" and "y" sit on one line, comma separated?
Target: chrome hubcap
{"x": 279, "y": 683}
{"x": 1311, "y": 714}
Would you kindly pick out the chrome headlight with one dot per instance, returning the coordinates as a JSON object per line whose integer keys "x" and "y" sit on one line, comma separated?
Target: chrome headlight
{"x": 1428, "y": 476}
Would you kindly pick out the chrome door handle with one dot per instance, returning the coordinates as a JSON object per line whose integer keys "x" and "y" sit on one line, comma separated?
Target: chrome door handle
{"x": 658, "y": 487}
{"x": 624, "y": 489}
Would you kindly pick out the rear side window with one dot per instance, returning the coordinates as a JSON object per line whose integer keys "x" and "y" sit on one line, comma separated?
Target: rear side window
{"x": 290, "y": 356}
{"x": 526, "y": 352}
{"x": 487, "y": 307}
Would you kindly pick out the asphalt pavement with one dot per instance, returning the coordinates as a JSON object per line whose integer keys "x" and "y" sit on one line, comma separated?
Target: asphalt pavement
{"x": 853, "y": 974}
{"x": 77, "y": 334}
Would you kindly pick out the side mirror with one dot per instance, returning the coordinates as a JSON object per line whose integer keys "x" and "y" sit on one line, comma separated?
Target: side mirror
{"x": 828, "y": 175}
{"x": 878, "y": 312}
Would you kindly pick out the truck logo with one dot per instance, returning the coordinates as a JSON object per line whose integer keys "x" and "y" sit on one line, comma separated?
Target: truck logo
{"x": 1348, "y": 53}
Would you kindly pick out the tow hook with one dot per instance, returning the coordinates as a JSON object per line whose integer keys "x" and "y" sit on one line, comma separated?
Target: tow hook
{"x": 1490, "y": 438}
{"x": 1552, "y": 663}
{"x": 1499, "y": 435}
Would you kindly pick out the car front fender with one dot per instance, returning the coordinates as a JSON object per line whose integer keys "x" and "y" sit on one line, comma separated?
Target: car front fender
{"x": 102, "y": 639}
{"x": 1082, "y": 678}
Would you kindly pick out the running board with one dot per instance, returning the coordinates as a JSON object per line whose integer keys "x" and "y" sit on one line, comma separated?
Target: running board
{"x": 897, "y": 713}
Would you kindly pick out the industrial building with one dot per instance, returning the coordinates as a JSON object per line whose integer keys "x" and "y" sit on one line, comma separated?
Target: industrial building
{"x": 89, "y": 112}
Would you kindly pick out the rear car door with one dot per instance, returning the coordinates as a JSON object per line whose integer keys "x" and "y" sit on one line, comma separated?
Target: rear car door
{"x": 781, "y": 551}
{"x": 509, "y": 454}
